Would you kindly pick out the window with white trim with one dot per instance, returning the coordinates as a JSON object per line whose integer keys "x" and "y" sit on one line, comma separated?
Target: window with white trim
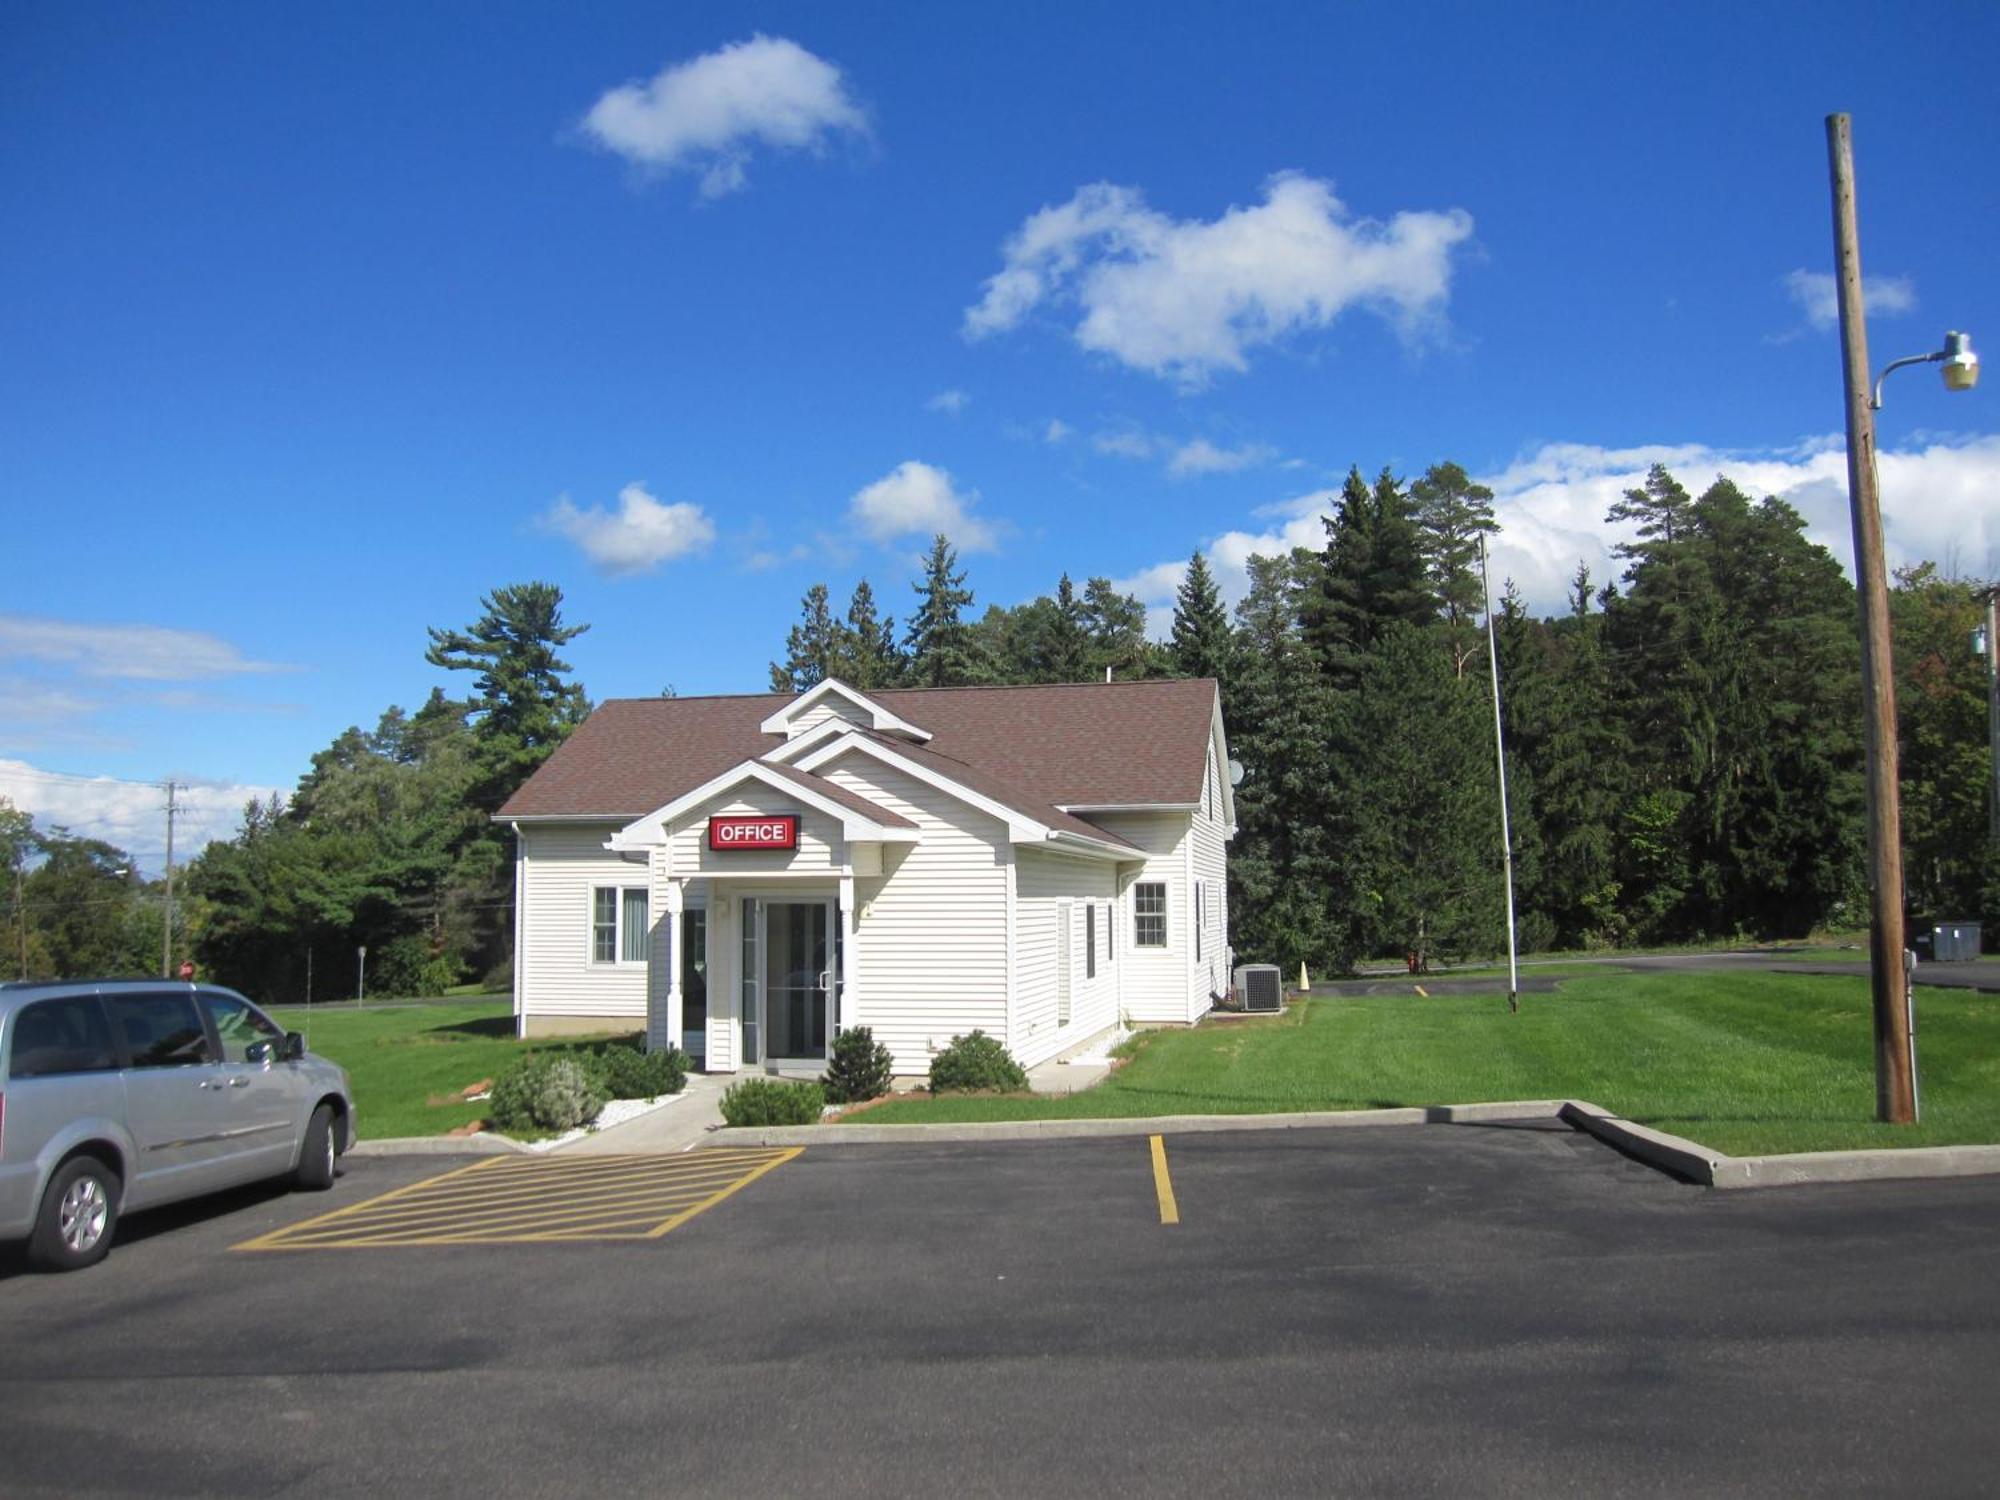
{"x": 1149, "y": 914}
{"x": 1090, "y": 940}
{"x": 618, "y": 925}
{"x": 1199, "y": 886}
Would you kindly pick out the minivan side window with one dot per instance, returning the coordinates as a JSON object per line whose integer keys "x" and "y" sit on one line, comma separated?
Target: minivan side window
{"x": 238, "y": 1024}
{"x": 161, "y": 1030}
{"x": 61, "y": 1036}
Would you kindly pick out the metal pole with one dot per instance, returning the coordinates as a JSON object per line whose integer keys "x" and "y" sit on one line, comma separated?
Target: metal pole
{"x": 167, "y": 929}
{"x": 1500, "y": 761}
{"x": 1894, "y": 1086}
{"x": 21, "y": 915}
{"x": 1992, "y": 719}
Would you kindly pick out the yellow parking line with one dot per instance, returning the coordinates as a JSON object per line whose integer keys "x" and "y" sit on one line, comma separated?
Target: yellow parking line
{"x": 1163, "y": 1185}
{"x": 536, "y": 1201}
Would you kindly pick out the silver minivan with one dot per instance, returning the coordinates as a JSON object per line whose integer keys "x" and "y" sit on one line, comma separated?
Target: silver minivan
{"x": 123, "y": 1094}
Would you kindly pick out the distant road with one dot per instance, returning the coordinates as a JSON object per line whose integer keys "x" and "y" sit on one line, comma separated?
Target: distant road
{"x": 1972, "y": 976}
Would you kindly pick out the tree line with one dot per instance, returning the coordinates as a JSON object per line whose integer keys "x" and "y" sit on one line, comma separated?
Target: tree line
{"x": 1684, "y": 753}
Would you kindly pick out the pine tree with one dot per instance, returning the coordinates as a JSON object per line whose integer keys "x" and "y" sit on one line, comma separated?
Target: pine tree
{"x": 1371, "y": 577}
{"x": 1452, "y": 512}
{"x": 814, "y": 648}
{"x": 1059, "y": 649}
{"x": 1200, "y": 641}
{"x": 939, "y": 645}
{"x": 870, "y": 658}
{"x": 1116, "y": 626}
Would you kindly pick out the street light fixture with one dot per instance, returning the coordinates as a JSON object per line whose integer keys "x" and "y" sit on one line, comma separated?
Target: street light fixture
{"x": 1961, "y": 366}
{"x": 1889, "y": 981}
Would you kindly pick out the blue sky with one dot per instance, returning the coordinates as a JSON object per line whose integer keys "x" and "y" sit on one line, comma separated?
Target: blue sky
{"x": 320, "y": 324}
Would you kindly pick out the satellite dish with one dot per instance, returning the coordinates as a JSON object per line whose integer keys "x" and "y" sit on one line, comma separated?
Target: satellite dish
{"x": 1236, "y": 773}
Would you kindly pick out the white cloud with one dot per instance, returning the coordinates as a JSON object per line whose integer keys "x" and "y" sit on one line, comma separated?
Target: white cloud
{"x": 1882, "y": 296}
{"x": 706, "y": 114}
{"x": 148, "y": 652}
{"x": 1125, "y": 443}
{"x": 1185, "y": 298}
{"x": 130, "y": 814}
{"x": 640, "y": 536}
{"x": 916, "y": 499}
{"x": 951, "y": 402}
{"x": 1940, "y": 503}
{"x": 1203, "y": 457}
{"x": 1057, "y": 431}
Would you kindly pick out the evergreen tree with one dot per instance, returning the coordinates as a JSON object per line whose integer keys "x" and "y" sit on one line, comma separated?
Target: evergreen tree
{"x": 1200, "y": 642}
{"x": 939, "y": 644}
{"x": 1059, "y": 649}
{"x": 1372, "y": 576}
{"x": 870, "y": 658}
{"x": 1423, "y": 831}
{"x": 815, "y": 648}
{"x": 1116, "y": 626}
{"x": 1452, "y": 512}
{"x": 523, "y": 704}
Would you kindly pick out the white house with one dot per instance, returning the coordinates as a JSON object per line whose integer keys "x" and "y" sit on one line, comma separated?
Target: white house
{"x": 746, "y": 875}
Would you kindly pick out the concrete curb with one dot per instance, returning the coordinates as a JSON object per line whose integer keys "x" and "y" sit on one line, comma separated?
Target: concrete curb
{"x": 1089, "y": 1129}
{"x": 1678, "y": 1157}
{"x": 482, "y": 1144}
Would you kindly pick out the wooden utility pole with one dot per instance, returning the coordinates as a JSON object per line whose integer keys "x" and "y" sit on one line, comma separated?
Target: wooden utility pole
{"x": 1895, "y": 1083}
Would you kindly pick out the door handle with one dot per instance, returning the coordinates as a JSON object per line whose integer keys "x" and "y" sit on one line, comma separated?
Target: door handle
{"x": 239, "y": 1083}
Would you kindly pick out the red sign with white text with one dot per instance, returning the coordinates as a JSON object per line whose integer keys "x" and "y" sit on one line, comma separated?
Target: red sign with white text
{"x": 753, "y": 831}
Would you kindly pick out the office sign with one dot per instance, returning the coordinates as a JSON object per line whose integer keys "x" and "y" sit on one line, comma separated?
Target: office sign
{"x": 753, "y": 831}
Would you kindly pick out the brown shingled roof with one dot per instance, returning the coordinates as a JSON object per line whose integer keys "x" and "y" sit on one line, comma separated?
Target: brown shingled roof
{"x": 1035, "y": 748}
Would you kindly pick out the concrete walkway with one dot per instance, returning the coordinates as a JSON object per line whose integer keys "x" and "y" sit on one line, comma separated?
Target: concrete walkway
{"x": 680, "y": 1126}
{"x": 690, "y": 1120}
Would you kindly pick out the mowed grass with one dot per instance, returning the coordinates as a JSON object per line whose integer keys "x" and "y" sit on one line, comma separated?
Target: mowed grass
{"x": 402, "y": 1056}
{"x": 1745, "y": 1063}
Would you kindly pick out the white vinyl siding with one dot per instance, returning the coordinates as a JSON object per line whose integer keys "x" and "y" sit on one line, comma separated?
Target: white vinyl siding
{"x": 562, "y": 866}
{"x": 1208, "y": 858}
{"x": 1051, "y": 889}
{"x": 931, "y": 930}
{"x": 1156, "y": 983}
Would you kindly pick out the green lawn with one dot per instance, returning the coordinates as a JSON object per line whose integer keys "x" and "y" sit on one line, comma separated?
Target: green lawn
{"x": 1745, "y": 1063}
{"x": 401, "y": 1056}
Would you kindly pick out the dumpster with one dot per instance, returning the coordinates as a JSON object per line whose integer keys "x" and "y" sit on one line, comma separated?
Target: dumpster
{"x": 1954, "y": 942}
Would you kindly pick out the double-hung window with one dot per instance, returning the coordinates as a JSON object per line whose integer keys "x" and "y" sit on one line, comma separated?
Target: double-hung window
{"x": 618, "y": 925}
{"x": 1090, "y": 940}
{"x": 1149, "y": 914}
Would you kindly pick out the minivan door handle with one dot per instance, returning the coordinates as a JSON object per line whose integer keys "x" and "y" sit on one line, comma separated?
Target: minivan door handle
{"x": 239, "y": 1083}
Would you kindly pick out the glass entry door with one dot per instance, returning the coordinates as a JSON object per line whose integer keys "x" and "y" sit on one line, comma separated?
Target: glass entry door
{"x": 799, "y": 958}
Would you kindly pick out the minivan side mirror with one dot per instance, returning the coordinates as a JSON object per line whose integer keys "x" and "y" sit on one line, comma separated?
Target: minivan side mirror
{"x": 295, "y": 1046}
{"x": 258, "y": 1052}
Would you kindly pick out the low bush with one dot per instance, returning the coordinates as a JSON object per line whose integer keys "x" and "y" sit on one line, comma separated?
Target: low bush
{"x": 975, "y": 1062}
{"x": 629, "y": 1073}
{"x": 547, "y": 1091}
{"x": 860, "y": 1069}
{"x": 767, "y": 1101}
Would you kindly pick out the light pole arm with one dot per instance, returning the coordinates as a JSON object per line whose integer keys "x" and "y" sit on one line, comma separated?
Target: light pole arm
{"x": 1896, "y": 364}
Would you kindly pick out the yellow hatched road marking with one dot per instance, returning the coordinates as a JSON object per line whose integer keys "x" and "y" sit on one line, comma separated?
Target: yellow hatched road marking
{"x": 546, "y": 1200}
{"x": 1163, "y": 1185}
{"x": 466, "y": 1207}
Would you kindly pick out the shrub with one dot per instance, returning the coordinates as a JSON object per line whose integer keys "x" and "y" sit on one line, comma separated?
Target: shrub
{"x": 547, "y": 1091}
{"x": 861, "y": 1067}
{"x": 629, "y": 1073}
{"x": 976, "y": 1061}
{"x": 766, "y": 1101}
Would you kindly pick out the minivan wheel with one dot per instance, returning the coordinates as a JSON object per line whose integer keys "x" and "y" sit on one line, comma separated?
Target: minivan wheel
{"x": 78, "y": 1215}
{"x": 316, "y": 1157}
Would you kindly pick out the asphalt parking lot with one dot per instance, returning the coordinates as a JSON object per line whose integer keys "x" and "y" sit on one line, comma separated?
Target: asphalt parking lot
{"x": 1494, "y": 1310}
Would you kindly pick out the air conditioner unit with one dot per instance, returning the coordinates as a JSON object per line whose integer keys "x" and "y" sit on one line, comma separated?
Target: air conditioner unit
{"x": 1259, "y": 987}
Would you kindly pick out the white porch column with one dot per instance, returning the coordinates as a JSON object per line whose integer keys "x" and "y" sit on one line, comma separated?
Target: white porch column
{"x": 676, "y": 901}
{"x": 849, "y": 1011}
